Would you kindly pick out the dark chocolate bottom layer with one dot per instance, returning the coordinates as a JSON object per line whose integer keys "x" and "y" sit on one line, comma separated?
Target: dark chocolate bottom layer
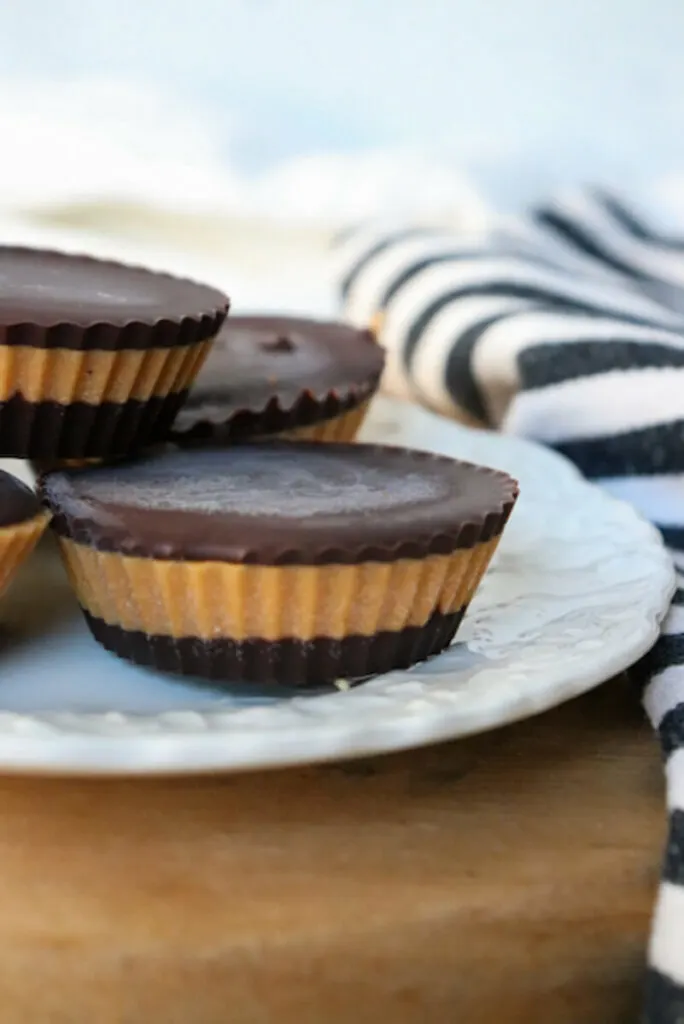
{"x": 289, "y": 662}
{"x": 49, "y": 431}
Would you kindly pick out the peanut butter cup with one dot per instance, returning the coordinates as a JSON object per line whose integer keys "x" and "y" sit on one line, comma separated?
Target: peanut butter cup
{"x": 95, "y": 357}
{"x": 22, "y": 522}
{"x": 301, "y": 379}
{"x": 294, "y": 563}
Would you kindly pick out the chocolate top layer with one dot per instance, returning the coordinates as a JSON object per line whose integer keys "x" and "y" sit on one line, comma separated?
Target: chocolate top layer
{"x": 45, "y": 289}
{"x": 17, "y": 501}
{"x": 282, "y": 504}
{"x": 262, "y": 359}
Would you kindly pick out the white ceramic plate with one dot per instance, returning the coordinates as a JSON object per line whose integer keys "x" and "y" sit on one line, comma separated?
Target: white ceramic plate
{"x": 576, "y": 593}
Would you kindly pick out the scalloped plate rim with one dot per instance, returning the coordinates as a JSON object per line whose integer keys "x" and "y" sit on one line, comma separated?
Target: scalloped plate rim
{"x": 38, "y": 744}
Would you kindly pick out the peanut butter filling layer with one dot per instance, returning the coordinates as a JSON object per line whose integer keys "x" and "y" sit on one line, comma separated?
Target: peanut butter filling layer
{"x": 16, "y": 544}
{"x": 211, "y": 600}
{"x": 338, "y": 428}
{"x": 94, "y": 376}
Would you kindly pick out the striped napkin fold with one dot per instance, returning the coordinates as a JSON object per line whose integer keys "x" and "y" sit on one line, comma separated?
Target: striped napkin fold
{"x": 566, "y": 327}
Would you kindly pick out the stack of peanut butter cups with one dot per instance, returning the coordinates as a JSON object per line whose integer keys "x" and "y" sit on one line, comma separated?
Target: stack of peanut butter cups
{"x": 215, "y": 515}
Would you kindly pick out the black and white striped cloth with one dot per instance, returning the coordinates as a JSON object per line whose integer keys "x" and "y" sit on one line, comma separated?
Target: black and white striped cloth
{"x": 566, "y": 327}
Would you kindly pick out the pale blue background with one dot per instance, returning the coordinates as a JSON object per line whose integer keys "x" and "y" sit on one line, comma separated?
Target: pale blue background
{"x": 524, "y": 94}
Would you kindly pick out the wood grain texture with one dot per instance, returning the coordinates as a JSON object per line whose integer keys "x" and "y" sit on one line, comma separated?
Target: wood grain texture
{"x": 507, "y": 878}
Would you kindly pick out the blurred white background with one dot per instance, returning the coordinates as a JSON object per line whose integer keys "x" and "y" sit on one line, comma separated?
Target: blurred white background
{"x": 520, "y": 94}
{"x": 133, "y": 118}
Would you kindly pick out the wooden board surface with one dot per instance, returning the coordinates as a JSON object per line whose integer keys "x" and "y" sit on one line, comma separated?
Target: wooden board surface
{"x": 507, "y": 878}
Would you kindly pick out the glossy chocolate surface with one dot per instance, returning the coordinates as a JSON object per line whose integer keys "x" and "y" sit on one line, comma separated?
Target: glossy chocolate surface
{"x": 46, "y": 289}
{"x": 265, "y": 367}
{"x": 282, "y": 503}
